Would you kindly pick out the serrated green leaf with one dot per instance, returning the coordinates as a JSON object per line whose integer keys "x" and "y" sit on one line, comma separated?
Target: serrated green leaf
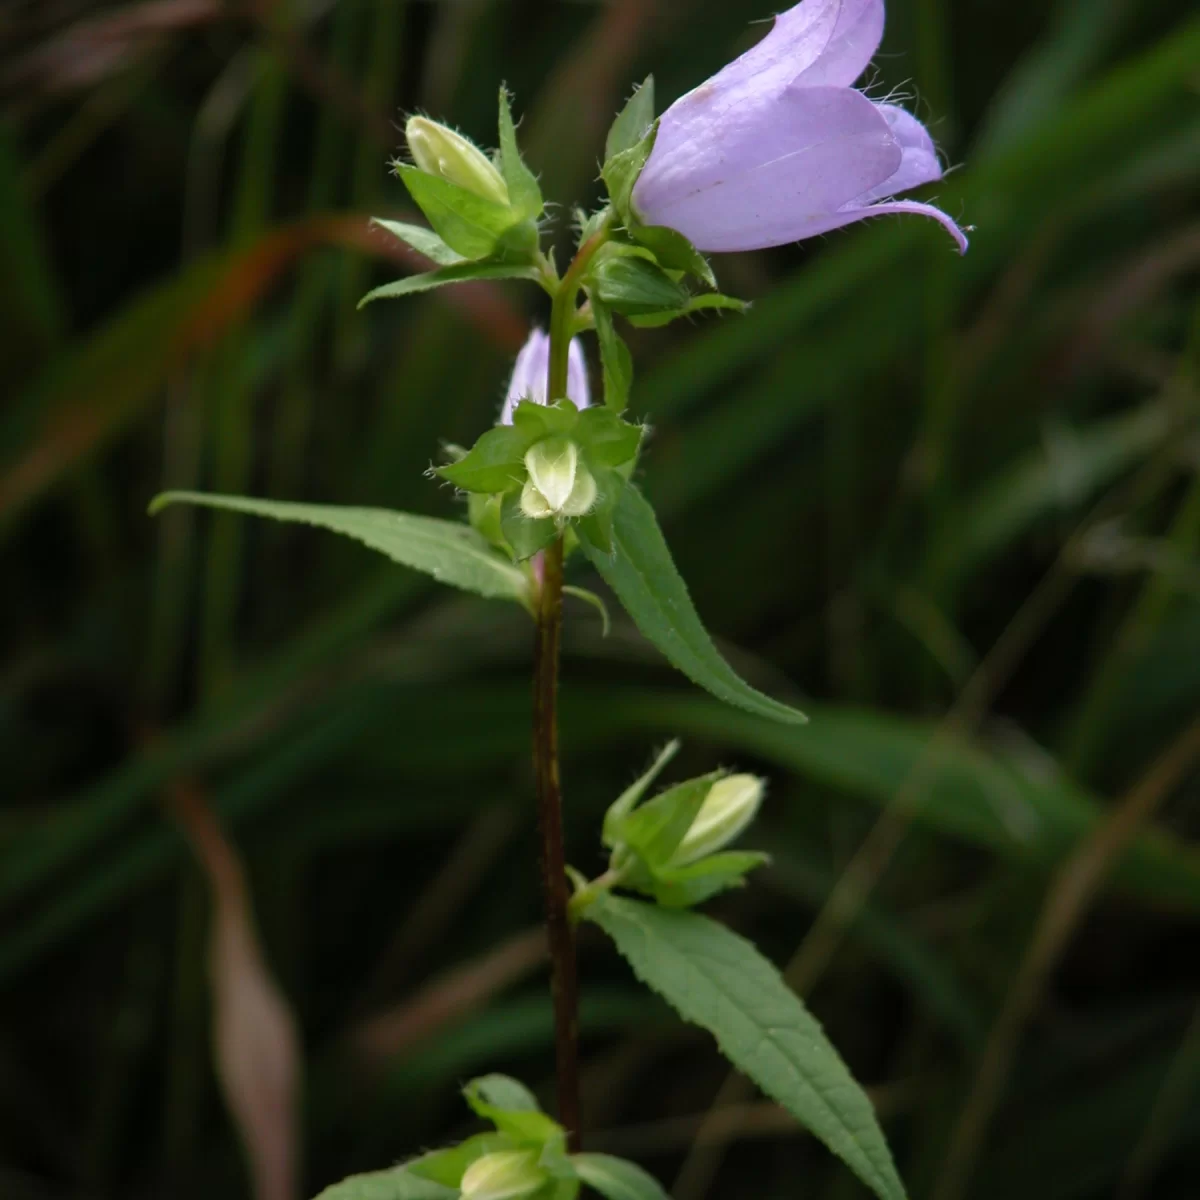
{"x": 423, "y": 240}
{"x": 615, "y": 358}
{"x": 616, "y": 1178}
{"x": 683, "y": 887}
{"x": 632, "y": 121}
{"x": 396, "y": 1184}
{"x": 490, "y": 1094}
{"x": 595, "y": 601}
{"x": 607, "y": 441}
{"x": 512, "y": 1108}
{"x": 673, "y": 251}
{"x": 590, "y": 225}
{"x": 655, "y": 829}
{"x": 632, "y": 285}
{"x": 646, "y": 581}
{"x": 720, "y": 981}
{"x": 523, "y": 189}
{"x": 628, "y": 799}
{"x": 694, "y": 304}
{"x": 496, "y": 463}
{"x": 538, "y": 421}
{"x": 453, "y": 554}
{"x": 460, "y": 272}
{"x": 473, "y": 225}
{"x": 524, "y": 534}
{"x": 447, "y": 1166}
{"x": 620, "y": 172}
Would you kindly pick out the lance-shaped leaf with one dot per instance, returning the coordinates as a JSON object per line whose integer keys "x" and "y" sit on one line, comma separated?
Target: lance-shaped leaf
{"x": 673, "y": 251}
{"x": 695, "y": 304}
{"x": 423, "y": 240}
{"x": 496, "y": 463}
{"x": 656, "y": 828}
{"x": 453, "y": 554}
{"x": 718, "y": 980}
{"x": 616, "y": 1178}
{"x": 632, "y": 286}
{"x": 523, "y": 191}
{"x": 620, "y": 172}
{"x": 642, "y": 573}
{"x": 632, "y": 121}
{"x": 606, "y": 439}
{"x": 473, "y": 225}
{"x": 396, "y": 1184}
{"x": 629, "y": 798}
{"x": 684, "y": 887}
{"x": 460, "y": 272}
{"x": 615, "y": 358}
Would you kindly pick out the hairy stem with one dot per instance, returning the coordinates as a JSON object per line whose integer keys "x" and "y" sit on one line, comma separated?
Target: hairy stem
{"x": 564, "y": 978}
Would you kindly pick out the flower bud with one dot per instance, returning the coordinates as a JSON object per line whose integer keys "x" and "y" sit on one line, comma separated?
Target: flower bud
{"x": 731, "y": 804}
{"x": 504, "y": 1175}
{"x": 559, "y": 483}
{"x": 438, "y": 150}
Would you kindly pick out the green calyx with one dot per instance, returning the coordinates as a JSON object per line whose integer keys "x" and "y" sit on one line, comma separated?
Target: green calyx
{"x": 552, "y": 465}
{"x": 672, "y": 847}
{"x": 482, "y": 210}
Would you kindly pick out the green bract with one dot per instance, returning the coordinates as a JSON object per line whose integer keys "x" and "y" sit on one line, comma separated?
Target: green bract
{"x": 668, "y": 847}
{"x": 552, "y": 464}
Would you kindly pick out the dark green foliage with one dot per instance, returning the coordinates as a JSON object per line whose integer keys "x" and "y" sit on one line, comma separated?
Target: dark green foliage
{"x": 948, "y": 507}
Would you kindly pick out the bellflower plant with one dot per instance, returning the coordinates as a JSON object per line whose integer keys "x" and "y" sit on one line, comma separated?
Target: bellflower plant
{"x": 776, "y": 147}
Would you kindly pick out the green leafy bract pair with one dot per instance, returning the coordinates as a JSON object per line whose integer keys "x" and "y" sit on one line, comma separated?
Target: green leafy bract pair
{"x": 598, "y": 444}
{"x": 524, "y": 1158}
{"x": 672, "y": 847}
{"x": 484, "y": 215}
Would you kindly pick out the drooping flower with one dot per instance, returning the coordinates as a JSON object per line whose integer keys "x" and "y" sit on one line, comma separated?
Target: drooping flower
{"x": 529, "y": 378}
{"x": 778, "y": 146}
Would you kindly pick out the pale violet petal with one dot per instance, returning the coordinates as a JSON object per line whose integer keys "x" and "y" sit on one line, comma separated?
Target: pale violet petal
{"x": 530, "y": 377}
{"x": 814, "y": 43}
{"x": 578, "y": 389}
{"x": 528, "y": 380}
{"x": 856, "y": 34}
{"x": 853, "y": 213}
{"x": 919, "y": 164}
{"x": 917, "y": 209}
{"x": 772, "y": 172}
{"x": 831, "y": 40}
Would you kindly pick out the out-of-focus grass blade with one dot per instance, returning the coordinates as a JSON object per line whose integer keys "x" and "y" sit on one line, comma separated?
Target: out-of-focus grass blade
{"x": 930, "y": 978}
{"x": 31, "y": 303}
{"x": 88, "y": 396}
{"x": 1054, "y": 479}
{"x": 1080, "y": 34}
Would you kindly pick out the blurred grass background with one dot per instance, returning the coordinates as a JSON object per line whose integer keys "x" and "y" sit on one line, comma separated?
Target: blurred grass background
{"x": 953, "y": 507}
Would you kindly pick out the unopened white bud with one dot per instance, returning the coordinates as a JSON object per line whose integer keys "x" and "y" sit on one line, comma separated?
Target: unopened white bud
{"x": 504, "y": 1175}
{"x": 439, "y": 150}
{"x": 731, "y": 804}
{"x": 559, "y": 483}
